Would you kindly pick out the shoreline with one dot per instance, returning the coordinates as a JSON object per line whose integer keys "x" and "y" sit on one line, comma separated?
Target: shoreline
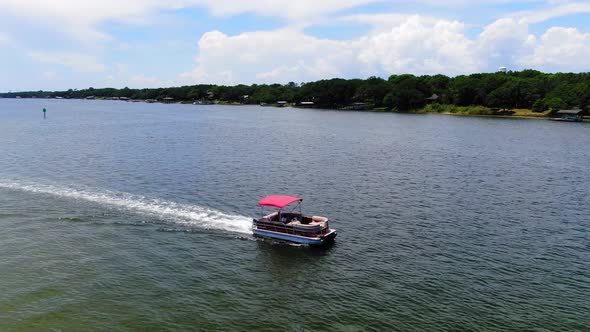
{"x": 519, "y": 113}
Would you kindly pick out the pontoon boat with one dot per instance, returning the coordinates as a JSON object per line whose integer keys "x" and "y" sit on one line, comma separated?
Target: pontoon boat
{"x": 291, "y": 225}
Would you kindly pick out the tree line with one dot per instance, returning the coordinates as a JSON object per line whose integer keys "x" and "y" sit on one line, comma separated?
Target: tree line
{"x": 527, "y": 89}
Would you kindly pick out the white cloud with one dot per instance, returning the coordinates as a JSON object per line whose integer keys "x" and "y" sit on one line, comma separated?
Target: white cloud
{"x": 80, "y": 19}
{"x": 75, "y": 18}
{"x": 75, "y": 61}
{"x": 504, "y": 42}
{"x": 280, "y": 55}
{"x": 420, "y": 45}
{"x": 415, "y": 44}
{"x": 556, "y": 9}
{"x": 301, "y": 9}
{"x": 563, "y": 49}
{"x": 395, "y": 42}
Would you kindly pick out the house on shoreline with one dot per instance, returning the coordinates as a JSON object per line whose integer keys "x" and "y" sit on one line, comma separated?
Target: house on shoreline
{"x": 573, "y": 115}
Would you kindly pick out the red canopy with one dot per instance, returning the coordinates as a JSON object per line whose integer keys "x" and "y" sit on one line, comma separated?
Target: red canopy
{"x": 278, "y": 201}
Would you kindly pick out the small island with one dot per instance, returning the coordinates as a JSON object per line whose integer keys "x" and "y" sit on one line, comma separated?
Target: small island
{"x": 527, "y": 93}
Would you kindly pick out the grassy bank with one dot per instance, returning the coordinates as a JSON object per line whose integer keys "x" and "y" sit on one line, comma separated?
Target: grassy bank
{"x": 479, "y": 111}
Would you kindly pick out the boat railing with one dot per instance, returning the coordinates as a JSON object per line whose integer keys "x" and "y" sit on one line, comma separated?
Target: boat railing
{"x": 291, "y": 229}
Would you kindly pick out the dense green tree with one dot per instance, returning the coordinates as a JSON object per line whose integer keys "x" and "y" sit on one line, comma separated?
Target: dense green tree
{"x": 372, "y": 90}
{"x": 519, "y": 89}
{"x": 539, "y": 106}
{"x": 407, "y": 92}
{"x": 504, "y": 96}
{"x": 555, "y": 103}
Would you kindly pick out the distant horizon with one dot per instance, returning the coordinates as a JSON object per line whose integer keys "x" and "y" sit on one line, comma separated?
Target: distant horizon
{"x": 297, "y": 83}
{"x": 476, "y": 94}
{"x": 77, "y": 44}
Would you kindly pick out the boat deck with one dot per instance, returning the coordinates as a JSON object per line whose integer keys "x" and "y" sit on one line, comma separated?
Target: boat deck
{"x": 293, "y": 223}
{"x": 295, "y": 219}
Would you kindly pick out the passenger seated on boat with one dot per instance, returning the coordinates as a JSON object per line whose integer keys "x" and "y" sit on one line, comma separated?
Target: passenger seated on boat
{"x": 284, "y": 220}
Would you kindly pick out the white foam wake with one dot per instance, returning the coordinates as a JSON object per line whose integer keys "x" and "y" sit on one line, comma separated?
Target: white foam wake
{"x": 188, "y": 215}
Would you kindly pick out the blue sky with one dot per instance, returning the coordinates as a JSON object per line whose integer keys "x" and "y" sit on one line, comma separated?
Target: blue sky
{"x": 65, "y": 44}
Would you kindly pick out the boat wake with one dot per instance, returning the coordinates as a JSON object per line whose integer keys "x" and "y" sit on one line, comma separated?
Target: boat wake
{"x": 183, "y": 214}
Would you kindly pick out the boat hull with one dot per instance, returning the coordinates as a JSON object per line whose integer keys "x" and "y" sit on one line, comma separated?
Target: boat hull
{"x": 312, "y": 241}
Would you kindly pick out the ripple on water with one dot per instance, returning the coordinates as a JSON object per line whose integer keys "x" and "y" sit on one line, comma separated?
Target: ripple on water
{"x": 133, "y": 216}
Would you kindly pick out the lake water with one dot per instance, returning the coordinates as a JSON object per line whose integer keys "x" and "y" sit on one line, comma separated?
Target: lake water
{"x": 133, "y": 216}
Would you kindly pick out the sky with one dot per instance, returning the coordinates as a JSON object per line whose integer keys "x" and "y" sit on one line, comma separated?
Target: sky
{"x": 63, "y": 44}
